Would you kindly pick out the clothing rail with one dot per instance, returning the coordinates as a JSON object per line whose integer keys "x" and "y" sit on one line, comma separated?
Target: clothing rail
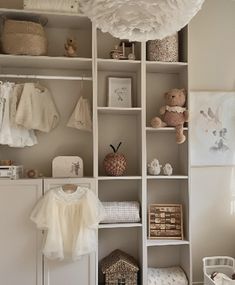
{"x": 49, "y": 77}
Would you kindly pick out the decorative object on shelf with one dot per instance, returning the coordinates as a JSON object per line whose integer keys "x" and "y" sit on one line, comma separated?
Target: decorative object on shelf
{"x": 213, "y": 132}
{"x": 66, "y": 6}
{"x": 166, "y": 49}
{"x": 67, "y": 166}
{"x": 81, "y": 116}
{"x": 121, "y": 212}
{"x": 33, "y": 173}
{"x": 165, "y": 221}
{"x": 141, "y": 20}
{"x": 123, "y": 54}
{"x": 168, "y": 275}
{"x": 6, "y": 162}
{"x": 131, "y": 55}
{"x": 154, "y": 168}
{"x": 115, "y": 163}
{"x": 23, "y": 38}
{"x": 70, "y": 47}
{"x": 119, "y": 268}
{"x": 11, "y": 171}
{"x": 174, "y": 113}
{"x": 119, "y": 92}
{"x": 167, "y": 169}
{"x": 115, "y": 53}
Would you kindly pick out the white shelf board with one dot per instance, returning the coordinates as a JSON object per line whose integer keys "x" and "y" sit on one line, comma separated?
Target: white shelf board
{"x": 55, "y": 19}
{"x": 170, "y": 177}
{"x": 46, "y": 62}
{"x": 118, "y": 65}
{"x": 119, "y": 177}
{"x": 121, "y": 225}
{"x": 121, "y": 111}
{"x": 166, "y": 129}
{"x": 165, "y": 67}
{"x": 166, "y": 242}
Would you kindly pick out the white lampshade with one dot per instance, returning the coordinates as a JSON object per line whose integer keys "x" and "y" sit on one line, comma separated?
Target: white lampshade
{"x": 141, "y": 20}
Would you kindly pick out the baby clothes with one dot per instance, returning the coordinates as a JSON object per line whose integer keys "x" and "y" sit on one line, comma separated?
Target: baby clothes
{"x": 36, "y": 109}
{"x": 21, "y": 137}
{"x": 81, "y": 116}
{"x": 70, "y": 221}
{"x": 5, "y": 131}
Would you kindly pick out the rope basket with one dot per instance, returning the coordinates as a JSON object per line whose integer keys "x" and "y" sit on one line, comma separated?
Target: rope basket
{"x": 23, "y": 38}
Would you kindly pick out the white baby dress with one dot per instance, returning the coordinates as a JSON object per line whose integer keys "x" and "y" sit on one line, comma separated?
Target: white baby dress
{"x": 36, "y": 109}
{"x": 70, "y": 221}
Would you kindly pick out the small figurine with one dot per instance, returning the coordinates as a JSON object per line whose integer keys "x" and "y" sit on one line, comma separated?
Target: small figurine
{"x": 70, "y": 47}
{"x": 115, "y": 53}
{"x": 167, "y": 169}
{"x": 123, "y": 54}
{"x": 131, "y": 56}
{"x": 154, "y": 168}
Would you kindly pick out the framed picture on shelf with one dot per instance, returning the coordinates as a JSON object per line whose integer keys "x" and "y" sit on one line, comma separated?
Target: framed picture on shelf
{"x": 120, "y": 92}
{"x": 166, "y": 221}
{"x": 213, "y": 132}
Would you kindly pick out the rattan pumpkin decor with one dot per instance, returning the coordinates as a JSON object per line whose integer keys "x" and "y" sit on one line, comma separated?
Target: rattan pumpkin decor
{"x": 115, "y": 163}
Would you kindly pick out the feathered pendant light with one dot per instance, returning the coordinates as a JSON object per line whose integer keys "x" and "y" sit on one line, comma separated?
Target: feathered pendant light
{"x": 141, "y": 20}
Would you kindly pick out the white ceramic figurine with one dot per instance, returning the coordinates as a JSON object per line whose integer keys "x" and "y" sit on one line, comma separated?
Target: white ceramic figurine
{"x": 154, "y": 168}
{"x": 167, "y": 169}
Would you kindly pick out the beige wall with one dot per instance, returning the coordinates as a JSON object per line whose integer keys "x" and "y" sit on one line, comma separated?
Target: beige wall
{"x": 212, "y": 67}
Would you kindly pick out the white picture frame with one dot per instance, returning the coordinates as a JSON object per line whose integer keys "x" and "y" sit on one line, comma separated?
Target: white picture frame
{"x": 120, "y": 92}
{"x": 212, "y": 132}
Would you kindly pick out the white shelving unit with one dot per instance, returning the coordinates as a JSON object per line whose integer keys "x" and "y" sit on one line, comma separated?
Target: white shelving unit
{"x": 141, "y": 143}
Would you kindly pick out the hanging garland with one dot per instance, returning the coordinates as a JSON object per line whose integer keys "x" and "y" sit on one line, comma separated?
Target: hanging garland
{"x": 141, "y": 20}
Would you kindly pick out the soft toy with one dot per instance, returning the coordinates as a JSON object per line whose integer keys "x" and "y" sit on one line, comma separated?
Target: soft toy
{"x": 174, "y": 113}
{"x": 70, "y": 47}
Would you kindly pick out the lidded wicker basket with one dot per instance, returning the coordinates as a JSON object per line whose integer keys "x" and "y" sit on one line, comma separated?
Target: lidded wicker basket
{"x": 23, "y": 38}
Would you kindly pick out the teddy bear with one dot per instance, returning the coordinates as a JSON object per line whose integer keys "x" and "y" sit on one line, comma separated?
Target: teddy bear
{"x": 174, "y": 114}
{"x": 70, "y": 47}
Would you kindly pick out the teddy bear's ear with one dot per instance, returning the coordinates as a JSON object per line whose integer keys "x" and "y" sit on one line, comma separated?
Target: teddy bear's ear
{"x": 184, "y": 91}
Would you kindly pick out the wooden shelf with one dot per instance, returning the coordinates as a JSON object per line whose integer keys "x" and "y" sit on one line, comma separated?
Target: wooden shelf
{"x": 118, "y": 65}
{"x": 121, "y": 111}
{"x": 165, "y": 67}
{"x": 167, "y": 129}
{"x": 119, "y": 177}
{"x": 46, "y": 62}
{"x": 170, "y": 177}
{"x": 55, "y": 20}
{"x": 122, "y": 225}
{"x": 163, "y": 242}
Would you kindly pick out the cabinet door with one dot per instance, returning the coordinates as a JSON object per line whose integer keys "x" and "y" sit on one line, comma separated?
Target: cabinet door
{"x": 82, "y": 271}
{"x": 20, "y": 258}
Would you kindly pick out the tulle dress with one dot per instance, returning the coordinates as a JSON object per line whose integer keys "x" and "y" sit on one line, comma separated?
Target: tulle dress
{"x": 70, "y": 221}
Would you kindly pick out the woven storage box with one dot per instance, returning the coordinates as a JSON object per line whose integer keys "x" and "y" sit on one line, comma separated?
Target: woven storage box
{"x": 119, "y": 268}
{"x": 164, "y": 50}
{"x": 121, "y": 212}
{"x": 23, "y": 38}
{"x": 69, "y": 6}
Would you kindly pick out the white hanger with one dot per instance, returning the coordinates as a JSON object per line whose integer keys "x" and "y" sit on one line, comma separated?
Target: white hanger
{"x": 69, "y": 188}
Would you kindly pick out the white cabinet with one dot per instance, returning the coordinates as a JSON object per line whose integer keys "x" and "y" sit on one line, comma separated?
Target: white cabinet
{"x": 20, "y": 241}
{"x": 68, "y": 272}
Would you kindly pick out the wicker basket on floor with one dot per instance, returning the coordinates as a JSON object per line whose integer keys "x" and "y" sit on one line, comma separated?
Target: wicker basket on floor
{"x": 23, "y": 38}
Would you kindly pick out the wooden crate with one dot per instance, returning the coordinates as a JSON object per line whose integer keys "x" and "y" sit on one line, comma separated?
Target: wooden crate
{"x": 165, "y": 221}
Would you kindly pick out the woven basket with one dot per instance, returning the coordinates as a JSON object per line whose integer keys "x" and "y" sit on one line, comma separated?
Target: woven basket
{"x": 164, "y": 50}
{"x": 23, "y": 38}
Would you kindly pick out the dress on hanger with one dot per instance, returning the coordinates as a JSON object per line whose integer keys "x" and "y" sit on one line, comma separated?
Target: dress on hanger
{"x": 21, "y": 137}
{"x": 70, "y": 221}
{"x": 5, "y": 131}
{"x": 36, "y": 109}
